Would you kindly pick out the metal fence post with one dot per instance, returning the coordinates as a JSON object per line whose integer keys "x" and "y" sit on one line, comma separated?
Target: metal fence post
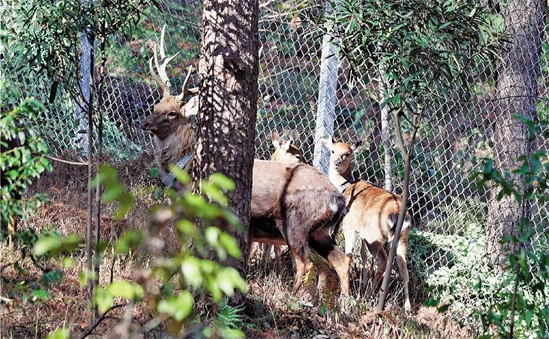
{"x": 326, "y": 99}
{"x": 80, "y": 138}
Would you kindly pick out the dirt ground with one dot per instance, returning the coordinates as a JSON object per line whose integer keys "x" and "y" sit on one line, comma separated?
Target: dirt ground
{"x": 270, "y": 309}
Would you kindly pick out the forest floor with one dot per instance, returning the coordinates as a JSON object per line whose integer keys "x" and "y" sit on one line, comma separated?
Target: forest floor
{"x": 270, "y": 309}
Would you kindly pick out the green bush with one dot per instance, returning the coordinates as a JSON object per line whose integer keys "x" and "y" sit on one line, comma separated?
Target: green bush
{"x": 22, "y": 157}
{"x": 521, "y": 308}
{"x": 175, "y": 280}
{"x": 509, "y": 301}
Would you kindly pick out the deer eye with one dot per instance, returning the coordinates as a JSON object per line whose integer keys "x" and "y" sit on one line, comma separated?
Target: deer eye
{"x": 172, "y": 114}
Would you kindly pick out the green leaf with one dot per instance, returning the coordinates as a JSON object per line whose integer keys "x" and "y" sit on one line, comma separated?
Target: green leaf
{"x": 129, "y": 240}
{"x": 232, "y": 333}
{"x": 126, "y": 290}
{"x": 61, "y": 333}
{"x": 68, "y": 262}
{"x": 396, "y": 99}
{"x": 181, "y": 175}
{"x": 229, "y": 280}
{"x": 212, "y": 235}
{"x": 48, "y": 244}
{"x": 40, "y": 294}
{"x": 230, "y": 245}
{"x": 443, "y": 308}
{"x": 190, "y": 267}
{"x": 214, "y": 193}
{"x": 103, "y": 299}
{"x": 187, "y": 227}
{"x": 126, "y": 201}
{"x": 21, "y": 136}
{"x": 112, "y": 191}
{"x": 431, "y": 302}
{"x": 222, "y": 182}
{"x": 178, "y": 307}
{"x": 472, "y": 13}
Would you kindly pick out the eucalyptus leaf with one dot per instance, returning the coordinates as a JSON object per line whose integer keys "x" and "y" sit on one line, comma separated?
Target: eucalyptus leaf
{"x": 125, "y": 289}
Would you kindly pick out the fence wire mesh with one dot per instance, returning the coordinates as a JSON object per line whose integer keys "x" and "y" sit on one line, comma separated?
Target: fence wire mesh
{"x": 449, "y": 210}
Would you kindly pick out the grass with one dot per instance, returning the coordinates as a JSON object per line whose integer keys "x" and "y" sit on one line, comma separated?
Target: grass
{"x": 31, "y": 309}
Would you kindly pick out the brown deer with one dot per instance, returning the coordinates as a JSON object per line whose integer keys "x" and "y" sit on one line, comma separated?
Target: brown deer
{"x": 284, "y": 152}
{"x": 171, "y": 120}
{"x": 373, "y": 213}
{"x": 292, "y": 204}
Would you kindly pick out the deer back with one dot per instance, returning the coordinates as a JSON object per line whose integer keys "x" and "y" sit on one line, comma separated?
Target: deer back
{"x": 374, "y": 210}
{"x": 294, "y": 194}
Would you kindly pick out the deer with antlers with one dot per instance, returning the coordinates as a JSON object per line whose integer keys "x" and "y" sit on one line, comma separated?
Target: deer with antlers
{"x": 373, "y": 213}
{"x": 279, "y": 190}
{"x": 171, "y": 120}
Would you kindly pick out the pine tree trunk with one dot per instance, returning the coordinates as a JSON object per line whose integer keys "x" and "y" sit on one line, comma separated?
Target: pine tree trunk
{"x": 228, "y": 102}
{"x": 517, "y": 90}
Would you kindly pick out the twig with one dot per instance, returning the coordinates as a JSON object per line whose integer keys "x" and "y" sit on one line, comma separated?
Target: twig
{"x": 37, "y": 264}
{"x": 99, "y": 320}
{"x": 6, "y": 300}
{"x": 66, "y": 161}
{"x": 7, "y": 265}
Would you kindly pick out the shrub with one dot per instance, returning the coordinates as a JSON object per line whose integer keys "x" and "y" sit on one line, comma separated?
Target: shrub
{"x": 22, "y": 158}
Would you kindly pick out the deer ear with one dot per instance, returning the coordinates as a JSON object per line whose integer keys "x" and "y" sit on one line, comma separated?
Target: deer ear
{"x": 286, "y": 145}
{"x": 357, "y": 145}
{"x": 191, "y": 107}
{"x": 327, "y": 141}
{"x": 276, "y": 139}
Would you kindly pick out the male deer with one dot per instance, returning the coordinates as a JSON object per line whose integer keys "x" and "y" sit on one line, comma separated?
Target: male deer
{"x": 373, "y": 213}
{"x": 279, "y": 214}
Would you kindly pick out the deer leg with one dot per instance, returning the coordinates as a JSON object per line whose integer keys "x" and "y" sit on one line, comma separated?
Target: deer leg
{"x": 350, "y": 235}
{"x": 250, "y": 245}
{"x": 266, "y": 248}
{"x": 302, "y": 266}
{"x": 376, "y": 249}
{"x": 341, "y": 263}
{"x": 324, "y": 245}
{"x": 364, "y": 257}
{"x": 402, "y": 267}
{"x": 278, "y": 259}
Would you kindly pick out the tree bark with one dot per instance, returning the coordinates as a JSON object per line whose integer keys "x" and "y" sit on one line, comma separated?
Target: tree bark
{"x": 517, "y": 90}
{"x": 228, "y": 103}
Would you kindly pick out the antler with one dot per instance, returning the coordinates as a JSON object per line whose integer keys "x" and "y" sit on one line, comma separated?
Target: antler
{"x": 161, "y": 78}
{"x": 185, "y": 92}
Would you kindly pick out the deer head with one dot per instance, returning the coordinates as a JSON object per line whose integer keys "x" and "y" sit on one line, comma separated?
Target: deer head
{"x": 285, "y": 151}
{"x": 172, "y": 111}
{"x": 342, "y": 158}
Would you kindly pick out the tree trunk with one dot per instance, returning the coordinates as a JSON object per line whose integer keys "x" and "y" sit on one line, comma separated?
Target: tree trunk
{"x": 517, "y": 90}
{"x": 228, "y": 103}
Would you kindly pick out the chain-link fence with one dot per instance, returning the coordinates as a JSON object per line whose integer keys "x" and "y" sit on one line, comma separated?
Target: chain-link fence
{"x": 449, "y": 210}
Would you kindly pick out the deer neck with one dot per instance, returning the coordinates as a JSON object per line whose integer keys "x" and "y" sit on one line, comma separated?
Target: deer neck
{"x": 341, "y": 180}
{"x": 172, "y": 149}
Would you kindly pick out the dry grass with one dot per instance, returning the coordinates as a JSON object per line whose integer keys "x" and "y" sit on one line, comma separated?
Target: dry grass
{"x": 270, "y": 309}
